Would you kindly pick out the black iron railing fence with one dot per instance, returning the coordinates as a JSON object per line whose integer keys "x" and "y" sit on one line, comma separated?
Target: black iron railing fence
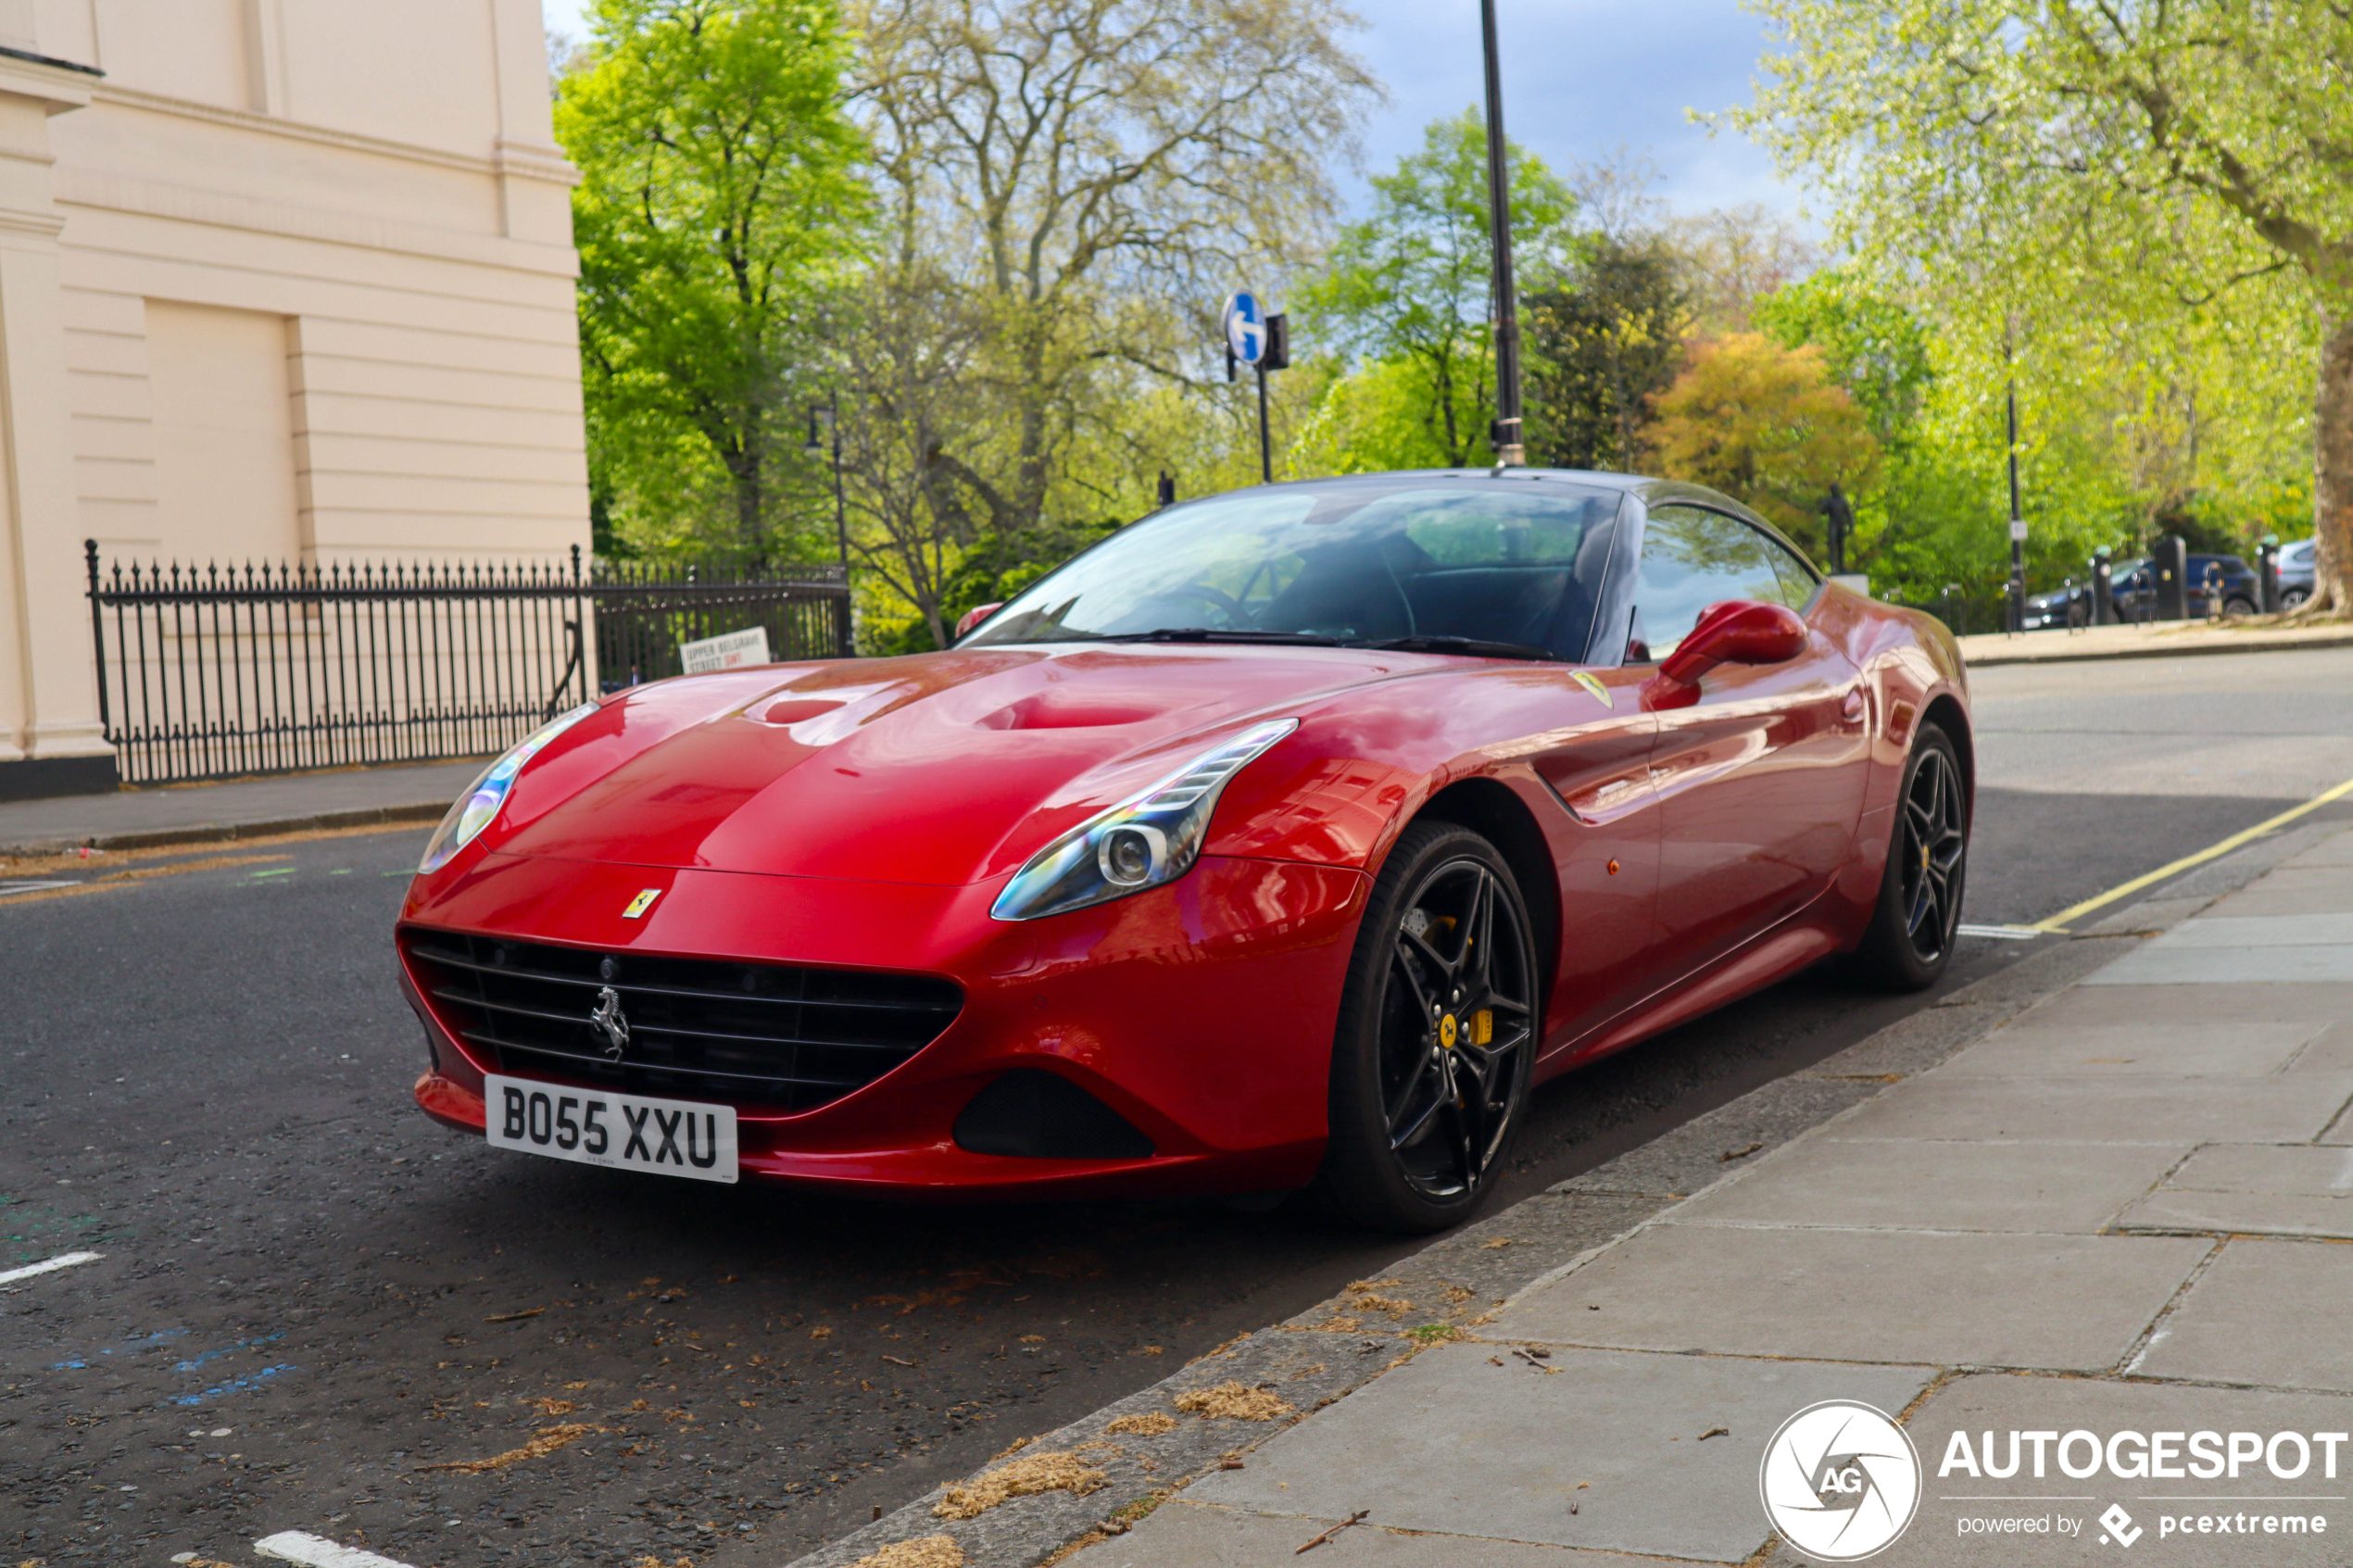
{"x": 644, "y": 613}
{"x": 206, "y": 674}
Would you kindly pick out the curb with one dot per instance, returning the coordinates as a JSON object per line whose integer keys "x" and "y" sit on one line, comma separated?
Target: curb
{"x": 2253, "y": 643}
{"x": 221, "y": 833}
{"x": 1465, "y": 1278}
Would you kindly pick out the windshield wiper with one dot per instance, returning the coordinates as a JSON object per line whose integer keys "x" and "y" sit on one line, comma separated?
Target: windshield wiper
{"x": 1473, "y": 646}
{"x": 1214, "y": 634}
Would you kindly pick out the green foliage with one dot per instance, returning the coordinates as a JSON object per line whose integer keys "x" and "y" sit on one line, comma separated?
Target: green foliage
{"x": 2095, "y": 196}
{"x": 1599, "y": 347}
{"x": 1407, "y": 288}
{"x": 719, "y": 203}
{"x": 1873, "y": 348}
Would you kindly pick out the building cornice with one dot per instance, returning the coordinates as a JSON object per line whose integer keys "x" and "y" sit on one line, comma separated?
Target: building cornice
{"x": 512, "y": 160}
{"x": 218, "y": 209}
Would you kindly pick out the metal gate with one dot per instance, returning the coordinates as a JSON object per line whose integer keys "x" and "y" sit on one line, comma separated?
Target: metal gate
{"x": 214, "y": 675}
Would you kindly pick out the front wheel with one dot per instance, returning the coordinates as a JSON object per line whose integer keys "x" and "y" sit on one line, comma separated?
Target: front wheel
{"x": 1912, "y": 931}
{"x": 1436, "y": 1038}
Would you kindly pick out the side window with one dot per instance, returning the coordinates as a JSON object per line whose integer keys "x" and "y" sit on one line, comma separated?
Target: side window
{"x": 1692, "y": 557}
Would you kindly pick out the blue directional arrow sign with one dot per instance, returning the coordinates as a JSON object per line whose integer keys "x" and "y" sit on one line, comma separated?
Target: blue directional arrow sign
{"x": 1246, "y": 327}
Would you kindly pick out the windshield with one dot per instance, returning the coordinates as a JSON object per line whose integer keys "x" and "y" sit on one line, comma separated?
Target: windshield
{"x": 1510, "y": 565}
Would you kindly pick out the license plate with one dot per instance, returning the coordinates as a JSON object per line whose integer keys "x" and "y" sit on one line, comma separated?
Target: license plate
{"x": 669, "y": 1138}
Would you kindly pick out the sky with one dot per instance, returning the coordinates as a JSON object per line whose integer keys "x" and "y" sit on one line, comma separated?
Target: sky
{"x": 1580, "y": 77}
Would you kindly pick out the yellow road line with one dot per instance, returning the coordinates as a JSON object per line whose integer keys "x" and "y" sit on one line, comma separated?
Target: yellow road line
{"x": 2058, "y": 922}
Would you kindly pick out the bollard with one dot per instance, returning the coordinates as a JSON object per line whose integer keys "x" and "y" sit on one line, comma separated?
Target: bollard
{"x": 2270, "y": 572}
{"x": 2171, "y": 563}
{"x": 2102, "y": 588}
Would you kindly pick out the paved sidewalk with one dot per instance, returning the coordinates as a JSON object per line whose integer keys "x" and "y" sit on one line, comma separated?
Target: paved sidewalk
{"x": 2159, "y": 639}
{"x": 129, "y": 818}
{"x": 2111, "y": 1215}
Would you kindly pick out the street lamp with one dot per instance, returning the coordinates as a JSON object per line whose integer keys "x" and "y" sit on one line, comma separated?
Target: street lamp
{"x": 1505, "y": 434}
{"x": 831, "y": 410}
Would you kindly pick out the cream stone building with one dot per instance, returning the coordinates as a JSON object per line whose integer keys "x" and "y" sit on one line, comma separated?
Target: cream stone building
{"x": 280, "y": 279}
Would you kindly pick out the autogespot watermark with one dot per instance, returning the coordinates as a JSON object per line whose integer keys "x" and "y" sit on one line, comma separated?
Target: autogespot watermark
{"x": 2150, "y": 1456}
{"x": 1842, "y": 1481}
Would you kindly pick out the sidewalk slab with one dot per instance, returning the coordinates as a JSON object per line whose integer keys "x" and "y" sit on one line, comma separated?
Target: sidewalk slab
{"x": 2265, "y": 1189}
{"x": 2224, "y": 929}
{"x": 2268, "y": 1313}
{"x": 2002, "y": 1403}
{"x": 2061, "y": 1303}
{"x": 1183, "y": 1533}
{"x": 2245, "y": 966}
{"x": 1866, "y": 1183}
{"x": 2108, "y": 1050}
{"x": 2284, "y": 1108}
{"x": 1600, "y": 1451}
{"x": 2167, "y": 1006}
{"x": 130, "y": 818}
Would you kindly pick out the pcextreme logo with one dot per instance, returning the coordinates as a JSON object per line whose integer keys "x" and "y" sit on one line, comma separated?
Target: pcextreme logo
{"x": 1839, "y": 1481}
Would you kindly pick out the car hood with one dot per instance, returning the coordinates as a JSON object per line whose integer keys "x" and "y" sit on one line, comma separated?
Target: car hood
{"x": 941, "y": 769}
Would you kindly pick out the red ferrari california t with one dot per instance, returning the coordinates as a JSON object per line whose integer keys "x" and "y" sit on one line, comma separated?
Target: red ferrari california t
{"x": 1285, "y": 838}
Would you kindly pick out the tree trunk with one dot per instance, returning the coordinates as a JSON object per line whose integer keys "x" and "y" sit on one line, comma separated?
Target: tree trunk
{"x": 2332, "y": 469}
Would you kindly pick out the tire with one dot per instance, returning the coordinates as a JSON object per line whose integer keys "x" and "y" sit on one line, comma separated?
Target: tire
{"x": 1422, "y": 1109}
{"x": 1919, "y": 913}
{"x": 2294, "y": 597}
{"x": 2238, "y": 607}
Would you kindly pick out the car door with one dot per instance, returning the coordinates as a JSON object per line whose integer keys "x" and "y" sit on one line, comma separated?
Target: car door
{"x": 1759, "y": 780}
{"x": 1614, "y": 951}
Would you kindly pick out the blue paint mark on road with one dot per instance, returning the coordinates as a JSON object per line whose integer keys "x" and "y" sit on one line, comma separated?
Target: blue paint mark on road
{"x": 128, "y": 1347}
{"x": 196, "y": 1362}
{"x": 234, "y": 1386}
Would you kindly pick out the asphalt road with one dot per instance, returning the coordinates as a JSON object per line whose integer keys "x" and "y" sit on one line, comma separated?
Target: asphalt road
{"x": 310, "y": 1296}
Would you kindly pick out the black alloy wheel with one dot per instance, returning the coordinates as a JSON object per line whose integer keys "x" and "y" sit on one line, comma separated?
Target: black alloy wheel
{"x": 1438, "y": 1036}
{"x": 1911, "y": 935}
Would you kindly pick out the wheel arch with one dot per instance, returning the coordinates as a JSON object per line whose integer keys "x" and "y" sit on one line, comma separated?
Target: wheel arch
{"x": 1491, "y": 808}
{"x": 1946, "y": 713}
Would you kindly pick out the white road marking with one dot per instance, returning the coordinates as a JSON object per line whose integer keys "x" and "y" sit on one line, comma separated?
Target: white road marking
{"x": 8, "y": 888}
{"x": 2000, "y": 932}
{"x": 317, "y": 1551}
{"x": 49, "y": 1265}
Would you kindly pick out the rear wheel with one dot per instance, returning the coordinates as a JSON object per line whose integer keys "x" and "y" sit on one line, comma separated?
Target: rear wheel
{"x": 1912, "y": 931}
{"x": 1436, "y": 1038}
{"x": 2238, "y": 607}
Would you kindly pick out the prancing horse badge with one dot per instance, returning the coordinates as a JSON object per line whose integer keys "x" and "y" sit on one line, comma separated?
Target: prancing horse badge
{"x": 640, "y": 904}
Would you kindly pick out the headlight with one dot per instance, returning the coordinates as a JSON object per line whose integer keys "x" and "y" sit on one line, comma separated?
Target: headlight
{"x": 1150, "y": 838}
{"x": 479, "y": 803}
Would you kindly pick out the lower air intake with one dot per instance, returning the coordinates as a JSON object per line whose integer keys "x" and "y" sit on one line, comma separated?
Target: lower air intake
{"x": 1038, "y": 1116}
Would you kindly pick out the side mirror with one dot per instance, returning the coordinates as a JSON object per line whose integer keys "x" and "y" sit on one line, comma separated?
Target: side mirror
{"x": 974, "y": 616}
{"x": 1734, "y": 632}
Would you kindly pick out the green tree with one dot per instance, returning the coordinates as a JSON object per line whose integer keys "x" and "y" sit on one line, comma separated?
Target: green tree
{"x": 1087, "y": 178}
{"x": 2082, "y": 159}
{"x": 1598, "y": 348}
{"x": 1410, "y": 283}
{"x": 1766, "y": 425}
{"x": 719, "y": 201}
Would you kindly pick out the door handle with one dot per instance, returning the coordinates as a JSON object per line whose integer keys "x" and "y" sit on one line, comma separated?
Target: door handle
{"x": 1852, "y": 709}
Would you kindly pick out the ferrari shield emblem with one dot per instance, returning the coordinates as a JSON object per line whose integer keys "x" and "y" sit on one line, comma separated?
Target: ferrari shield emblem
{"x": 1600, "y": 692}
{"x": 641, "y": 903}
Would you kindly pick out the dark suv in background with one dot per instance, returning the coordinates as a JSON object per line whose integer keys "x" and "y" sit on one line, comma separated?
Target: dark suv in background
{"x": 2132, "y": 590}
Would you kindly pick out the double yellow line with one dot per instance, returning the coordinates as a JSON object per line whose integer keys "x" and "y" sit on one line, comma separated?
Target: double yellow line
{"x": 2058, "y": 922}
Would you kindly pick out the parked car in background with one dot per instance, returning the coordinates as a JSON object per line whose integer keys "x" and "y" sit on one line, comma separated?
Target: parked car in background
{"x": 2132, "y": 590}
{"x": 2296, "y": 574}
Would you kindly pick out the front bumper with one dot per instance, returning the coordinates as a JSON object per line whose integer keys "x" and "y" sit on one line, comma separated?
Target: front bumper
{"x": 1202, "y": 1011}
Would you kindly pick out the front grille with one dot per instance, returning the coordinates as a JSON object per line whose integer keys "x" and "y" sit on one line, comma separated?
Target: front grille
{"x": 761, "y": 1034}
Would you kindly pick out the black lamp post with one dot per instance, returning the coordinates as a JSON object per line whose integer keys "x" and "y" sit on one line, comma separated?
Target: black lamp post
{"x": 1505, "y": 434}
{"x": 832, "y": 412}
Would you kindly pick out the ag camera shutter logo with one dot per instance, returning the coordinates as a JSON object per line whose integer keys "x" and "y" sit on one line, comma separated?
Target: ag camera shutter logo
{"x": 1839, "y": 1481}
